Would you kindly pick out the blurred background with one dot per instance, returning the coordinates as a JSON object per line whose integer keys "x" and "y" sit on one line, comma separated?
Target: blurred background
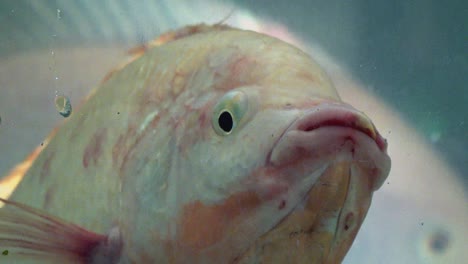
{"x": 413, "y": 55}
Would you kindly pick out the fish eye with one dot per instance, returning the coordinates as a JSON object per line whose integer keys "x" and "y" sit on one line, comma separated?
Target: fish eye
{"x": 229, "y": 112}
{"x": 225, "y": 121}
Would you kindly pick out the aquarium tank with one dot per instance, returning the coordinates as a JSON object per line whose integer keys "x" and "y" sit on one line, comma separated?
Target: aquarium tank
{"x": 403, "y": 63}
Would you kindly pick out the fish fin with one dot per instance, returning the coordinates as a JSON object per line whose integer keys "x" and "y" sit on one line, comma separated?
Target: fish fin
{"x": 178, "y": 34}
{"x": 9, "y": 182}
{"x": 138, "y": 51}
{"x": 26, "y": 232}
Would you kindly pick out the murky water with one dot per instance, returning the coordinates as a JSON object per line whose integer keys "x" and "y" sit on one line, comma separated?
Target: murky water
{"x": 409, "y": 58}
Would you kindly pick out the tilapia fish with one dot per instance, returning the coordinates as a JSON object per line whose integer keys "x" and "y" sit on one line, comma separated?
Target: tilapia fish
{"x": 210, "y": 145}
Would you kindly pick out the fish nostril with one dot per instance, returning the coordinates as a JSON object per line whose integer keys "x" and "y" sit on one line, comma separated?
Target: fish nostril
{"x": 282, "y": 205}
{"x": 349, "y": 221}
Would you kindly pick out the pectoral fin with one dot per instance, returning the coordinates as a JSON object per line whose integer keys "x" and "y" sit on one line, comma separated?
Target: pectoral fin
{"x": 31, "y": 235}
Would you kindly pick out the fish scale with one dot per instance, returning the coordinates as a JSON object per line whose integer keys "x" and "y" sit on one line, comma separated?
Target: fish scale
{"x": 143, "y": 172}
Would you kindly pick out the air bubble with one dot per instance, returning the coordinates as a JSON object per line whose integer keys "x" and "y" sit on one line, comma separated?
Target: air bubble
{"x": 63, "y": 105}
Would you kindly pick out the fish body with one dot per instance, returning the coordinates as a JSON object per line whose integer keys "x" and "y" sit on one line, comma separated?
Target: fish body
{"x": 211, "y": 145}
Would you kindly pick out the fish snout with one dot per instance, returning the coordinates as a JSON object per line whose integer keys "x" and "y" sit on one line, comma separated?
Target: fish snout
{"x": 330, "y": 133}
{"x": 334, "y": 158}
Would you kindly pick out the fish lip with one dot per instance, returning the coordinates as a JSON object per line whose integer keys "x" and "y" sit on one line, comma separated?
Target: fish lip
{"x": 340, "y": 115}
{"x": 333, "y": 114}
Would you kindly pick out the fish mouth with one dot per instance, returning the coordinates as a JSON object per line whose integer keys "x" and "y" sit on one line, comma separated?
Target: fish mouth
{"x": 339, "y": 115}
{"x": 331, "y": 158}
{"x": 321, "y": 133}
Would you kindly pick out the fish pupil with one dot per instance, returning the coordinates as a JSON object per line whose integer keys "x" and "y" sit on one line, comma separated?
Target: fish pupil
{"x": 225, "y": 121}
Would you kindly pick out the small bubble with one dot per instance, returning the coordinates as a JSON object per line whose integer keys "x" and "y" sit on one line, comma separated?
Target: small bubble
{"x": 5, "y": 252}
{"x": 56, "y": 78}
{"x": 439, "y": 242}
{"x": 63, "y": 105}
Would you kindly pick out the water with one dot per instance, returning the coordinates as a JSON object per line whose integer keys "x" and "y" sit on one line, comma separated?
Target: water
{"x": 411, "y": 54}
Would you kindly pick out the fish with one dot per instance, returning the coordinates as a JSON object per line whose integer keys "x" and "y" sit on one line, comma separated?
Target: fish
{"x": 415, "y": 208}
{"x": 211, "y": 144}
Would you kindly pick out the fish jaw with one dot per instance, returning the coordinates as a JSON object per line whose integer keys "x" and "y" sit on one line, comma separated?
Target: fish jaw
{"x": 327, "y": 130}
{"x": 322, "y": 226}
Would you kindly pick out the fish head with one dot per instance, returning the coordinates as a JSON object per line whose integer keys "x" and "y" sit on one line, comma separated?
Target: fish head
{"x": 276, "y": 175}
{"x": 266, "y": 162}
{"x": 292, "y": 177}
